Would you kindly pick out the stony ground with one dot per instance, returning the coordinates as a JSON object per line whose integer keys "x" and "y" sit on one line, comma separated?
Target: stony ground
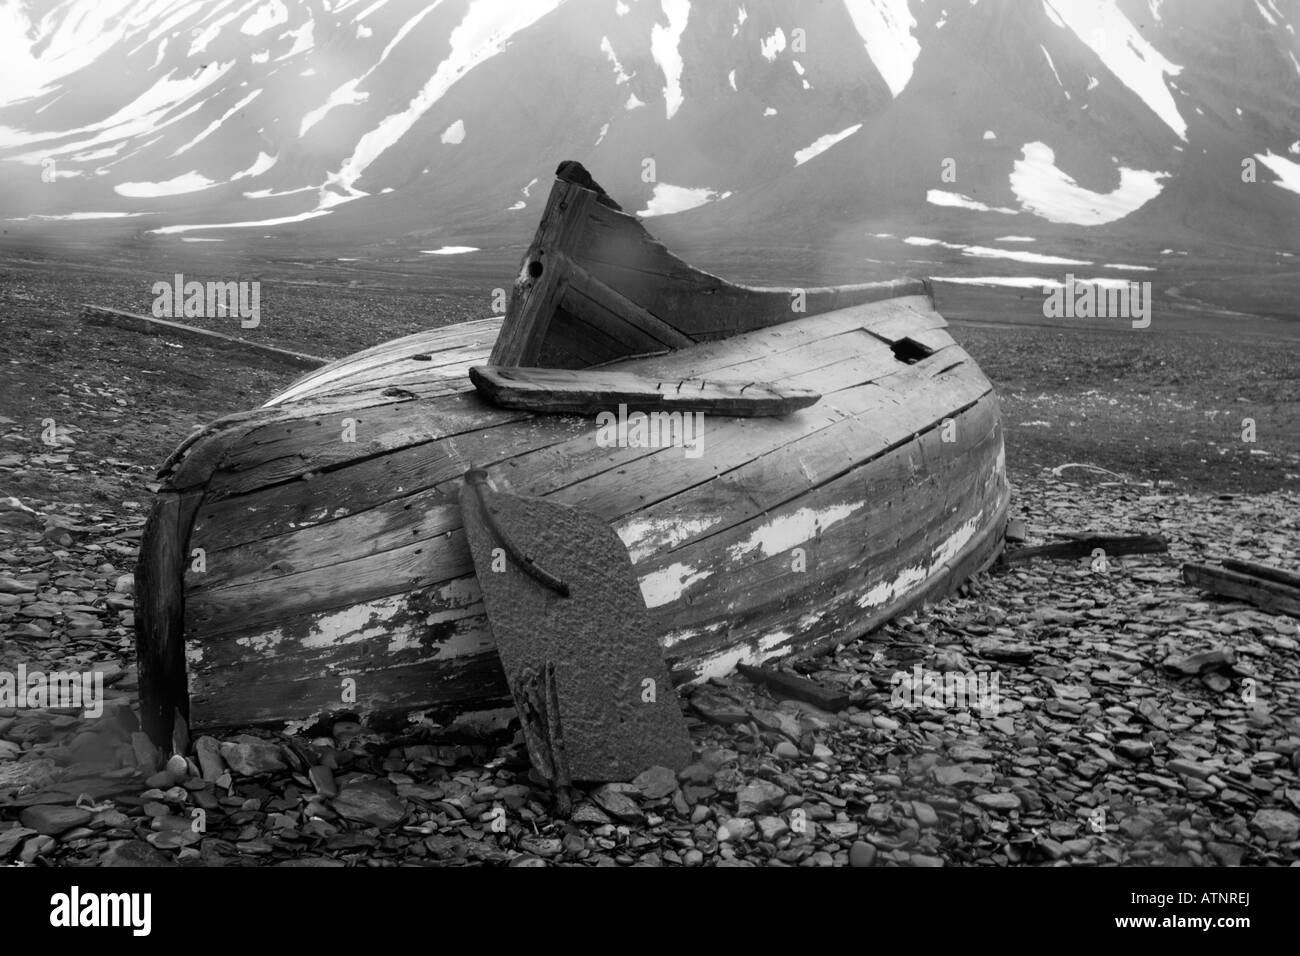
{"x": 1126, "y": 719}
{"x": 1136, "y": 720}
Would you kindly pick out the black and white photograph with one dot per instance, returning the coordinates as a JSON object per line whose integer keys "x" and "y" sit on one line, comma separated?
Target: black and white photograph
{"x": 650, "y": 433}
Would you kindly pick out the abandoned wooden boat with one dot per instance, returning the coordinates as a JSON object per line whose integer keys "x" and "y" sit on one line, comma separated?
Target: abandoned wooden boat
{"x": 307, "y": 558}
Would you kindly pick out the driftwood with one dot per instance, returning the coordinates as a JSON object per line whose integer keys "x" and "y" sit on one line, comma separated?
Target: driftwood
{"x": 587, "y": 392}
{"x": 794, "y": 687}
{"x": 147, "y": 325}
{"x": 1268, "y": 573}
{"x": 1271, "y": 596}
{"x": 1083, "y": 545}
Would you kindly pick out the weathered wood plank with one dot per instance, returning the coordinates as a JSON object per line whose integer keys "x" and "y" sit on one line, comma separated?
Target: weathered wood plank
{"x": 160, "y": 613}
{"x": 786, "y": 686}
{"x": 541, "y": 281}
{"x": 285, "y": 450}
{"x": 1083, "y": 545}
{"x": 1264, "y": 571}
{"x": 1266, "y": 595}
{"x": 586, "y": 288}
{"x": 586, "y": 392}
{"x": 478, "y": 333}
{"x": 148, "y": 325}
{"x": 371, "y": 483}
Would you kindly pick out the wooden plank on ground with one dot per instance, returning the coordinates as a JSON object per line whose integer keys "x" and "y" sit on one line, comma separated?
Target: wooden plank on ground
{"x": 1083, "y": 545}
{"x": 148, "y": 325}
{"x": 1266, "y": 595}
{"x": 1268, "y": 573}
{"x": 588, "y": 391}
{"x": 789, "y": 686}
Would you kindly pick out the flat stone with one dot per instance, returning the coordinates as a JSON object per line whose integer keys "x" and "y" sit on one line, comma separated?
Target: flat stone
{"x": 957, "y": 774}
{"x": 322, "y": 778}
{"x": 1190, "y": 768}
{"x": 590, "y": 814}
{"x": 1134, "y": 749}
{"x": 924, "y": 813}
{"x": 718, "y": 708}
{"x": 779, "y": 722}
{"x": 998, "y": 801}
{"x": 1276, "y": 825}
{"x": 370, "y": 803}
{"x": 208, "y": 752}
{"x": 758, "y": 796}
{"x": 133, "y": 853}
{"x": 36, "y": 846}
{"x": 772, "y": 828}
{"x": 785, "y": 750}
{"x": 9, "y": 839}
{"x": 656, "y": 782}
{"x": 251, "y": 756}
{"x": 862, "y": 854}
{"x": 28, "y": 773}
{"x": 617, "y": 804}
{"x": 840, "y": 830}
{"x": 736, "y": 829}
{"x": 1228, "y": 854}
{"x": 541, "y": 846}
{"x": 52, "y": 820}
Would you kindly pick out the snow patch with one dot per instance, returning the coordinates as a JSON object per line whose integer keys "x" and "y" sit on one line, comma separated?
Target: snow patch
{"x": 668, "y": 199}
{"x": 268, "y": 15}
{"x": 942, "y": 197}
{"x": 455, "y": 133}
{"x": 664, "y": 48}
{"x": 450, "y": 250}
{"x": 771, "y": 46}
{"x": 620, "y": 75}
{"x": 823, "y": 143}
{"x": 1124, "y": 51}
{"x": 185, "y": 183}
{"x": 989, "y": 134}
{"x": 1287, "y": 171}
{"x": 260, "y": 165}
{"x": 1051, "y": 194}
{"x": 886, "y": 28}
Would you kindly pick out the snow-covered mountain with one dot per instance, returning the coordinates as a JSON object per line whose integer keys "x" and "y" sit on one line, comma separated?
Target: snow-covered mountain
{"x": 440, "y": 121}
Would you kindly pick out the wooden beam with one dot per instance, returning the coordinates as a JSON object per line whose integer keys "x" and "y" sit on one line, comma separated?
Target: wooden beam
{"x": 586, "y": 285}
{"x": 1083, "y": 545}
{"x": 542, "y": 276}
{"x": 147, "y": 325}
{"x": 1266, "y": 595}
{"x": 793, "y": 687}
{"x": 160, "y": 613}
{"x": 1289, "y": 578}
{"x": 589, "y": 391}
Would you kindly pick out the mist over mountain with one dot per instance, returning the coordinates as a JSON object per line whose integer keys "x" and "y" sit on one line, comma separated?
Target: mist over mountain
{"x": 850, "y": 124}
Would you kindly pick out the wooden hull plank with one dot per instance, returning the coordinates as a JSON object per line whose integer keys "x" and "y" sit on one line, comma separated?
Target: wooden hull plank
{"x": 588, "y": 392}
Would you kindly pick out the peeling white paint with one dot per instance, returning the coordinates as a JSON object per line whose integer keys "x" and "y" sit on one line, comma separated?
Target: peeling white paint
{"x": 644, "y": 536}
{"x": 724, "y": 662}
{"x": 670, "y": 583}
{"x": 788, "y": 531}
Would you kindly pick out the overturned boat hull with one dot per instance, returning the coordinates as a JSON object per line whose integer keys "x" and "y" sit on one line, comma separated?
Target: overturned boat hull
{"x": 308, "y": 558}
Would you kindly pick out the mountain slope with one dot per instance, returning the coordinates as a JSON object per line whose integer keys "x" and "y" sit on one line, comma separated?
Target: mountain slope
{"x": 405, "y": 122}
